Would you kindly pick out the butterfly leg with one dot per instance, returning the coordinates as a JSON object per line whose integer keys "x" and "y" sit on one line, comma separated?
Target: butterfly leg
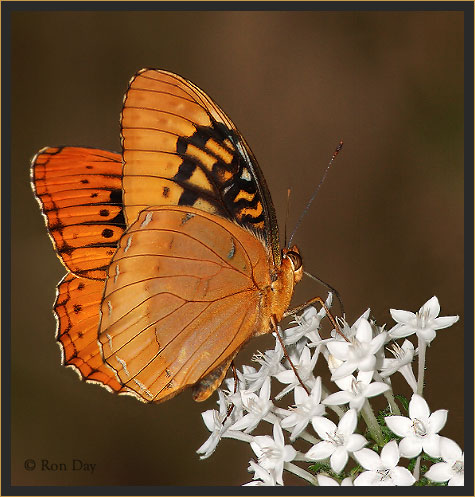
{"x": 276, "y": 330}
{"x": 231, "y": 407}
{"x": 292, "y": 312}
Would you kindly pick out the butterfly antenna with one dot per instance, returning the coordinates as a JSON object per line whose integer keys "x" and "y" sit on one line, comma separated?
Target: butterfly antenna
{"x": 335, "y": 153}
{"x": 333, "y": 290}
{"x": 287, "y": 217}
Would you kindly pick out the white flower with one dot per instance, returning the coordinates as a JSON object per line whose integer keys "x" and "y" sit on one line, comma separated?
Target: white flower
{"x": 257, "y": 406}
{"x": 304, "y": 366}
{"x": 336, "y": 441}
{"x": 306, "y": 407}
{"x": 261, "y": 478}
{"x": 270, "y": 366}
{"x": 214, "y": 422}
{"x": 356, "y": 390}
{"x": 382, "y": 469}
{"x": 326, "y": 481}
{"x": 419, "y": 430}
{"x": 452, "y": 469}
{"x": 346, "y": 329}
{"x": 423, "y": 323}
{"x": 272, "y": 452}
{"x": 308, "y": 324}
{"x": 403, "y": 357}
{"x": 359, "y": 352}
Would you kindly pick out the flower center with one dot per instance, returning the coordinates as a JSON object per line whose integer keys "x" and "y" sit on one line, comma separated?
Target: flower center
{"x": 385, "y": 474}
{"x": 358, "y": 350}
{"x": 396, "y": 351}
{"x": 357, "y": 387}
{"x": 419, "y": 428}
{"x": 336, "y": 438}
{"x": 270, "y": 453}
{"x": 424, "y": 320}
{"x": 458, "y": 467}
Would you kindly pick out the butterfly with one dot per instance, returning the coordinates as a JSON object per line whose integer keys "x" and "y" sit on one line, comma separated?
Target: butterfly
{"x": 172, "y": 248}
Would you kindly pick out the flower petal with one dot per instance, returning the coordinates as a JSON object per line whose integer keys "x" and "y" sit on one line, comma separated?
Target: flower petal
{"x": 348, "y": 422}
{"x": 427, "y": 334}
{"x": 368, "y": 459}
{"x": 323, "y": 426}
{"x": 439, "y": 472}
{"x": 399, "y": 425}
{"x": 437, "y": 420}
{"x": 457, "y": 481}
{"x": 364, "y": 332}
{"x": 377, "y": 342}
{"x": 337, "y": 398}
{"x": 344, "y": 370}
{"x": 320, "y": 451}
{"x": 410, "y": 447}
{"x": 390, "y": 455}
{"x": 403, "y": 317}
{"x": 338, "y": 459}
{"x": 355, "y": 442}
{"x": 444, "y": 322}
{"x": 326, "y": 481}
{"x": 418, "y": 408}
{"x": 431, "y": 308}
{"x": 375, "y": 388}
{"x": 339, "y": 349}
{"x": 449, "y": 450}
{"x": 401, "y": 331}
{"x": 431, "y": 445}
{"x": 367, "y": 479}
{"x": 402, "y": 477}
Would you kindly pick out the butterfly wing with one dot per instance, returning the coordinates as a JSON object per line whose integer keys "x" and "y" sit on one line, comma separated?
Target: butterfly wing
{"x": 183, "y": 294}
{"x": 77, "y": 313}
{"x": 180, "y": 148}
{"x": 80, "y": 194}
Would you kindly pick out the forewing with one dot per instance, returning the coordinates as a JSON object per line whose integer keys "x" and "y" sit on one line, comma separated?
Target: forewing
{"x": 180, "y": 148}
{"x": 182, "y": 296}
{"x": 80, "y": 194}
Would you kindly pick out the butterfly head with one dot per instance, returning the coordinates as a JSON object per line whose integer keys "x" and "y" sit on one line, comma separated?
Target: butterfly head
{"x": 292, "y": 256}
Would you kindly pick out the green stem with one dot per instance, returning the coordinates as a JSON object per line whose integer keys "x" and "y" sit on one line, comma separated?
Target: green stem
{"x": 296, "y": 470}
{"x": 389, "y": 396}
{"x": 422, "y": 363}
{"x": 417, "y": 468}
{"x": 372, "y": 423}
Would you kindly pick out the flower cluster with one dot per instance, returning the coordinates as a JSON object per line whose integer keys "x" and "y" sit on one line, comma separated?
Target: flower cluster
{"x": 338, "y": 423}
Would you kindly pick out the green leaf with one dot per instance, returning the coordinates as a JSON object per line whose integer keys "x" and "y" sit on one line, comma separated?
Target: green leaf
{"x": 404, "y": 402}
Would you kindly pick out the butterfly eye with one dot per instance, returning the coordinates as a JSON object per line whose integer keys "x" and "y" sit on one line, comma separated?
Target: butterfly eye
{"x": 295, "y": 258}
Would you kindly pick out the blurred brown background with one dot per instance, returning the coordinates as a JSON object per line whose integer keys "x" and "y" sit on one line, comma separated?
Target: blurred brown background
{"x": 386, "y": 228}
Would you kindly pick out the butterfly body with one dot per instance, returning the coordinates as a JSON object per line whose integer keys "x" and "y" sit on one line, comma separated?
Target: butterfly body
{"x": 176, "y": 267}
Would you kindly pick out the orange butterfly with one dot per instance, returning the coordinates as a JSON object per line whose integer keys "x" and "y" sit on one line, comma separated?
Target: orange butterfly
{"x": 172, "y": 249}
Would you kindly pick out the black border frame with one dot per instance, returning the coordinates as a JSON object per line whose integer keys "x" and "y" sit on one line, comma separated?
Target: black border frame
{"x": 9, "y": 7}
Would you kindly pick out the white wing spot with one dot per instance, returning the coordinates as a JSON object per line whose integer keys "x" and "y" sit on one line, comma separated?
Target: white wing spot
{"x": 128, "y": 244}
{"x": 143, "y": 388}
{"x": 117, "y": 271}
{"x": 147, "y": 219}
{"x": 123, "y": 364}
{"x": 246, "y": 176}
{"x": 109, "y": 306}
{"x": 110, "y": 340}
{"x": 232, "y": 251}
